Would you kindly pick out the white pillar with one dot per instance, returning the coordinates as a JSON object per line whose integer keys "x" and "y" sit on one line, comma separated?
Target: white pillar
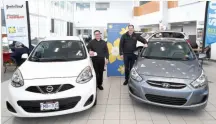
{"x": 2, "y": 68}
{"x": 48, "y": 17}
{"x": 164, "y": 15}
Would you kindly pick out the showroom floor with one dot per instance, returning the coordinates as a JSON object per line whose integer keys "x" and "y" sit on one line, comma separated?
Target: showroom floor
{"x": 116, "y": 107}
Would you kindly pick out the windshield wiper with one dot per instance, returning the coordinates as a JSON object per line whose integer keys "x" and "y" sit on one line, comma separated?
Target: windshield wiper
{"x": 166, "y": 58}
{"x": 35, "y": 58}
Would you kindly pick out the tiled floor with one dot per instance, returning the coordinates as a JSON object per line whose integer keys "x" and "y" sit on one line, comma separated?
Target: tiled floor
{"x": 116, "y": 107}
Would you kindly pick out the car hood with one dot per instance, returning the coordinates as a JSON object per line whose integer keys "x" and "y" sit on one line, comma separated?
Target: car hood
{"x": 170, "y": 69}
{"x": 37, "y": 70}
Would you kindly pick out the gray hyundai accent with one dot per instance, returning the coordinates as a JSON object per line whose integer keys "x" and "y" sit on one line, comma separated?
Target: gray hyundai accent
{"x": 168, "y": 73}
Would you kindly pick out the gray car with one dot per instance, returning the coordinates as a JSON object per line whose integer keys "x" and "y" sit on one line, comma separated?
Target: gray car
{"x": 168, "y": 73}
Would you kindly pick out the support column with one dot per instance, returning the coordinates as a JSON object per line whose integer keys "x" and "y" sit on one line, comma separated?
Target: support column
{"x": 163, "y": 24}
{"x": 48, "y": 17}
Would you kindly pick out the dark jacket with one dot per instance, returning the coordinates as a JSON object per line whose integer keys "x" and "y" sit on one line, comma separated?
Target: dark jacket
{"x": 128, "y": 43}
{"x": 100, "y": 47}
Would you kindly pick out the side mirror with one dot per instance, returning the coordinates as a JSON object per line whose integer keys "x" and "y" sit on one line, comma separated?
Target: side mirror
{"x": 24, "y": 56}
{"x": 138, "y": 50}
{"x": 202, "y": 56}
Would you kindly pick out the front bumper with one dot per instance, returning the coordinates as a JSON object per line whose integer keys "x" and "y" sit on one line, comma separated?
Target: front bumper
{"x": 75, "y": 98}
{"x": 185, "y": 98}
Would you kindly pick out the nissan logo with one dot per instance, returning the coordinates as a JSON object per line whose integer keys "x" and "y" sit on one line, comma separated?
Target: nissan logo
{"x": 49, "y": 89}
{"x": 165, "y": 85}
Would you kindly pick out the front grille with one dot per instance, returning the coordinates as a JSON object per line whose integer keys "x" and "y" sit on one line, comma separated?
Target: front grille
{"x": 43, "y": 89}
{"x": 166, "y": 100}
{"x": 34, "y": 106}
{"x": 170, "y": 84}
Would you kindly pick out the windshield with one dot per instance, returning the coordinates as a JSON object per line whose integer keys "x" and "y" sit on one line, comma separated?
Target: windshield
{"x": 169, "y": 50}
{"x": 67, "y": 50}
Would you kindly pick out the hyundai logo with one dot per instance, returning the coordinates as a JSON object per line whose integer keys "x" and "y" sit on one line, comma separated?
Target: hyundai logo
{"x": 165, "y": 85}
{"x": 49, "y": 89}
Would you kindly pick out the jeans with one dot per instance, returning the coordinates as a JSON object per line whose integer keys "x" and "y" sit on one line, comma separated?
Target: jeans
{"x": 129, "y": 60}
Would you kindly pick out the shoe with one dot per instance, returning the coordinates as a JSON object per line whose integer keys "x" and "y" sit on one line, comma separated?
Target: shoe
{"x": 100, "y": 87}
{"x": 125, "y": 83}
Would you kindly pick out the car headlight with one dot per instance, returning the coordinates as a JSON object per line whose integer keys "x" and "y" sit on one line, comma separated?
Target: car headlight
{"x": 85, "y": 75}
{"x": 134, "y": 75}
{"x": 200, "y": 82}
{"x": 17, "y": 79}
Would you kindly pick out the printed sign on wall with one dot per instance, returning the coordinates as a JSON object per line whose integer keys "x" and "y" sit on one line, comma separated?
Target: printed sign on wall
{"x": 210, "y": 24}
{"x": 16, "y": 21}
{"x": 116, "y": 65}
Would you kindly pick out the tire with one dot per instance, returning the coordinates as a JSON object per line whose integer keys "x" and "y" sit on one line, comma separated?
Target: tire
{"x": 95, "y": 103}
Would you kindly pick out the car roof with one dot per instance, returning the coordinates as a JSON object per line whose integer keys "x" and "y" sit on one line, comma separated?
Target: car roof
{"x": 167, "y": 40}
{"x": 62, "y": 38}
{"x": 165, "y": 31}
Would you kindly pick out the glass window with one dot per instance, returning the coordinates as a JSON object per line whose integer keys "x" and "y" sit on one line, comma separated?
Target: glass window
{"x": 70, "y": 6}
{"x": 55, "y": 3}
{"x": 102, "y": 6}
{"x": 58, "y": 50}
{"x": 143, "y": 2}
{"x": 168, "y": 50}
{"x": 62, "y": 4}
{"x": 82, "y": 6}
{"x": 3, "y": 17}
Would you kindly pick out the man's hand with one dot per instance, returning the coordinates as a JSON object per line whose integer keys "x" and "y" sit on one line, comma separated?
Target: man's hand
{"x": 145, "y": 45}
{"x": 91, "y": 53}
{"x": 106, "y": 61}
{"x": 122, "y": 57}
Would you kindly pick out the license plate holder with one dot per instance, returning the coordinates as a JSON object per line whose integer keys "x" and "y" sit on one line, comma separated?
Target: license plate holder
{"x": 48, "y": 106}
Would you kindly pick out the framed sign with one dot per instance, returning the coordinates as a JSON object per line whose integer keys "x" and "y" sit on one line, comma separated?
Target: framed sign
{"x": 17, "y": 21}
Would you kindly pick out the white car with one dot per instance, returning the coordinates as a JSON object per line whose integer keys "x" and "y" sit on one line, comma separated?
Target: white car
{"x": 57, "y": 78}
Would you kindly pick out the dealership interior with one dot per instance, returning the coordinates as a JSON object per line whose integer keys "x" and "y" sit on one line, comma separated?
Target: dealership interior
{"x": 172, "y": 81}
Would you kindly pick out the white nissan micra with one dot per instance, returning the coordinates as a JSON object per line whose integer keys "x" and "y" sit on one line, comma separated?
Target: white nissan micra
{"x": 56, "y": 78}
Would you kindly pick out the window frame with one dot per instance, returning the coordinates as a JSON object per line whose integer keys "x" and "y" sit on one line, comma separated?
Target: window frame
{"x": 102, "y": 9}
{"x": 80, "y": 3}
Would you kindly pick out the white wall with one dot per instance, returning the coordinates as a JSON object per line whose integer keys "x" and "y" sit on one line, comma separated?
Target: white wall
{"x": 191, "y": 12}
{"x": 213, "y": 51}
{"x": 119, "y": 12}
{"x": 148, "y": 19}
{"x": 190, "y": 29}
{"x": 176, "y": 28}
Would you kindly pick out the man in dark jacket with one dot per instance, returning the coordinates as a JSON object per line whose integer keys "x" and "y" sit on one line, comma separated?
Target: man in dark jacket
{"x": 127, "y": 47}
{"x": 99, "y": 53}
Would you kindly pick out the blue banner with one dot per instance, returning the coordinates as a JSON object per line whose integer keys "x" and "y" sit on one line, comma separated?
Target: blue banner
{"x": 116, "y": 65}
{"x": 210, "y": 24}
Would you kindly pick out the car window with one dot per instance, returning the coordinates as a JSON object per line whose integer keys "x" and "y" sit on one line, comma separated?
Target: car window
{"x": 172, "y": 35}
{"x": 58, "y": 50}
{"x": 168, "y": 35}
{"x": 146, "y": 35}
{"x": 169, "y": 50}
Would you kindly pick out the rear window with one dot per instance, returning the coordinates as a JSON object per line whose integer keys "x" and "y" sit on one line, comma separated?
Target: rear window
{"x": 169, "y": 35}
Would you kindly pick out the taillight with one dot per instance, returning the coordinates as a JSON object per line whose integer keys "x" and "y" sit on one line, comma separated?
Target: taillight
{"x": 188, "y": 41}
